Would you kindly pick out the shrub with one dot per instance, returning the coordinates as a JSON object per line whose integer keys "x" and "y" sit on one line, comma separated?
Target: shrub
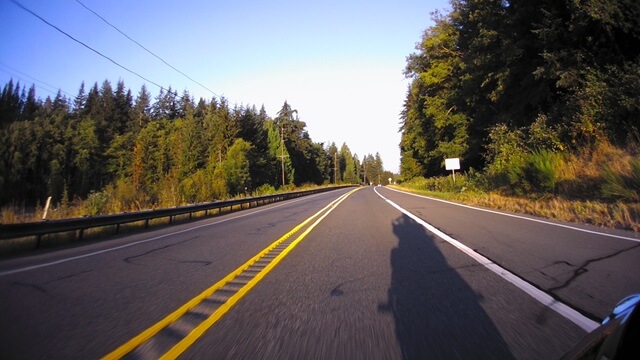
{"x": 505, "y": 150}
{"x": 96, "y": 203}
{"x": 440, "y": 183}
{"x": 264, "y": 189}
{"x": 622, "y": 186}
{"x": 541, "y": 170}
{"x": 541, "y": 136}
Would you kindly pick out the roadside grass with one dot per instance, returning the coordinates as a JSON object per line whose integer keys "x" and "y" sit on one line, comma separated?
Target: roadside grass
{"x": 14, "y": 214}
{"x": 112, "y": 201}
{"x": 598, "y": 185}
{"x": 614, "y": 215}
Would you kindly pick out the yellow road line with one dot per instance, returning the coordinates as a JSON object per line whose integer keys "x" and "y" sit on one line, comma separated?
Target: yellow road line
{"x": 199, "y": 330}
{"x": 174, "y": 316}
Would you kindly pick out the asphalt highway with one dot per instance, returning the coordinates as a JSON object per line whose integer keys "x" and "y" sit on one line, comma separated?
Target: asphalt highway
{"x": 340, "y": 275}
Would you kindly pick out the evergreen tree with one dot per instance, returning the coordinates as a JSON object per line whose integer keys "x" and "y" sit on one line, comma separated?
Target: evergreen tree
{"x": 31, "y": 105}
{"x": 79, "y": 101}
{"x": 279, "y": 155}
{"x": 141, "y": 112}
{"x": 237, "y": 167}
{"x": 10, "y": 104}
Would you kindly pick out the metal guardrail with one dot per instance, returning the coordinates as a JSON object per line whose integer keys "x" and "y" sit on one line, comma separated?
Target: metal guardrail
{"x": 40, "y": 228}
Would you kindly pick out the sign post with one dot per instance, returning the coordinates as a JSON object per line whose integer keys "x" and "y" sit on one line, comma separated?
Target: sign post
{"x": 453, "y": 165}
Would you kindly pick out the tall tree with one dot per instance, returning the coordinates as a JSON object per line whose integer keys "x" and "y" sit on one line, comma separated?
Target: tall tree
{"x": 141, "y": 112}
{"x": 79, "y": 101}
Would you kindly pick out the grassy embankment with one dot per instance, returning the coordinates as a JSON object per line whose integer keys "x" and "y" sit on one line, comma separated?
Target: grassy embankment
{"x": 113, "y": 200}
{"x": 108, "y": 201}
{"x": 599, "y": 187}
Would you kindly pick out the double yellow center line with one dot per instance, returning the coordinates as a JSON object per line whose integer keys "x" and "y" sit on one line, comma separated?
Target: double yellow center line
{"x": 213, "y": 303}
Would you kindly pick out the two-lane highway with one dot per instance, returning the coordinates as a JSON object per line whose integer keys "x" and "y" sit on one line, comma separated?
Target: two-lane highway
{"x": 583, "y": 266}
{"x": 359, "y": 280}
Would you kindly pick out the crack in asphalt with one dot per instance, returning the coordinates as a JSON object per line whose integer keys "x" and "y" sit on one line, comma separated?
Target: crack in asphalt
{"x": 68, "y": 276}
{"x": 130, "y": 258}
{"x": 581, "y": 269}
{"x": 42, "y": 288}
{"x": 203, "y": 262}
{"x": 30, "y": 286}
{"x": 282, "y": 220}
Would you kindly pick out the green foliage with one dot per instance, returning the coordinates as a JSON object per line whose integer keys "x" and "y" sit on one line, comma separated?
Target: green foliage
{"x": 541, "y": 136}
{"x": 433, "y": 127}
{"x": 126, "y": 154}
{"x": 555, "y": 76}
{"x": 236, "y": 167}
{"x": 622, "y": 186}
{"x": 373, "y": 169}
{"x": 96, "y": 203}
{"x": 506, "y": 151}
{"x": 510, "y": 162}
{"x": 541, "y": 170}
{"x": 264, "y": 189}
{"x": 444, "y": 184}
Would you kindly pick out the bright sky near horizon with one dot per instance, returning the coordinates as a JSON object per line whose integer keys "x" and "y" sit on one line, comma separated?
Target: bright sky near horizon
{"x": 339, "y": 63}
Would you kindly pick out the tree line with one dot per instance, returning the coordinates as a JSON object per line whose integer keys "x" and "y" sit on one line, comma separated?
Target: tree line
{"x": 164, "y": 151}
{"x": 493, "y": 77}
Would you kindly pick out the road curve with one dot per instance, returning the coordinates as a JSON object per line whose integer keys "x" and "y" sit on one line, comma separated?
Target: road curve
{"x": 365, "y": 282}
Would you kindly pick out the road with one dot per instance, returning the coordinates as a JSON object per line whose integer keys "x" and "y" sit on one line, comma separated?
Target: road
{"x": 359, "y": 276}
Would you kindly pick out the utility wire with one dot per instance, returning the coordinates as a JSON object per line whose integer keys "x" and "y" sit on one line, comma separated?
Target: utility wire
{"x": 147, "y": 50}
{"x": 29, "y": 82}
{"x": 85, "y": 45}
{"x": 33, "y": 79}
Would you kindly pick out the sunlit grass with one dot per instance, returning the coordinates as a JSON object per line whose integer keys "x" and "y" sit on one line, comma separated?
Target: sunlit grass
{"x": 597, "y": 185}
{"x": 616, "y": 215}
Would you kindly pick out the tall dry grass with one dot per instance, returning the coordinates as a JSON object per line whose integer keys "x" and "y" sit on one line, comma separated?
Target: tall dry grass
{"x": 598, "y": 186}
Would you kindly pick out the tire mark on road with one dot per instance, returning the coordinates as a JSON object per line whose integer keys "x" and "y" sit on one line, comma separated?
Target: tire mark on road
{"x": 130, "y": 259}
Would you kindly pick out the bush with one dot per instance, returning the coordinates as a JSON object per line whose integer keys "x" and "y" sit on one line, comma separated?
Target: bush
{"x": 440, "y": 184}
{"x": 622, "y": 186}
{"x": 96, "y": 203}
{"x": 541, "y": 170}
{"x": 122, "y": 196}
{"x": 505, "y": 150}
{"x": 264, "y": 189}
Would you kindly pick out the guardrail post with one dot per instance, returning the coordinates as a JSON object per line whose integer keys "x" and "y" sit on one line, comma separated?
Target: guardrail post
{"x": 40, "y": 229}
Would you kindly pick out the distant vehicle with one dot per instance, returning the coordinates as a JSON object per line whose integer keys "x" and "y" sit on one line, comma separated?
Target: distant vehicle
{"x": 617, "y": 338}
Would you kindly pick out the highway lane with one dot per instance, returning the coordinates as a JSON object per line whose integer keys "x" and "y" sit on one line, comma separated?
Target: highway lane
{"x": 370, "y": 283}
{"x": 589, "y": 270}
{"x": 366, "y": 282}
{"x": 110, "y": 291}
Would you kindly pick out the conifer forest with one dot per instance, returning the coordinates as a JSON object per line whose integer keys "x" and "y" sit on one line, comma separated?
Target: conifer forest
{"x": 122, "y": 152}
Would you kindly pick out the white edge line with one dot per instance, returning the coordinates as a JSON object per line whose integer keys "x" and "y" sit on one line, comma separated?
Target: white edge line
{"x": 542, "y": 297}
{"x": 56, "y": 262}
{"x": 519, "y": 216}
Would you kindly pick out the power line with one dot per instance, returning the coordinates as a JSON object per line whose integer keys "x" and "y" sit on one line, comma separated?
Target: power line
{"x": 29, "y": 82}
{"x": 87, "y": 46}
{"x": 32, "y": 78}
{"x": 141, "y": 46}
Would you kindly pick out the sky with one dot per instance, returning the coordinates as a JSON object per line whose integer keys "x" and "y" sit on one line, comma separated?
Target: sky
{"x": 339, "y": 63}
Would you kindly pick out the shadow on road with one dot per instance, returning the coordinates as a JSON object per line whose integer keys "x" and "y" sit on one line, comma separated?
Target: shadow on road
{"x": 437, "y": 314}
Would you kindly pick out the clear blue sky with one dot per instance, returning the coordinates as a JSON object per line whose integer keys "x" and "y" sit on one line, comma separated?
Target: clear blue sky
{"x": 339, "y": 63}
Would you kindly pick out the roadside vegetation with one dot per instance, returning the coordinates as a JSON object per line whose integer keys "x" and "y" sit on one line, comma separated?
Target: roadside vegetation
{"x": 585, "y": 188}
{"x": 540, "y": 101}
{"x": 105, "y": 152}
